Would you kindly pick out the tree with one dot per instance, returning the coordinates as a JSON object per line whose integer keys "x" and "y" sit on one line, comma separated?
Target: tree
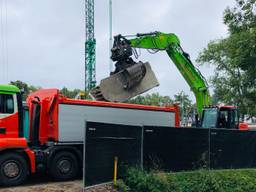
{"x": 25, "y": 88}
{"x": 70, "y": 93}
{"x": 186, "y": 106}
{"x": 154, "y": 99}
{"x": 184, "y": 101}
{"x": 234, "y": 58}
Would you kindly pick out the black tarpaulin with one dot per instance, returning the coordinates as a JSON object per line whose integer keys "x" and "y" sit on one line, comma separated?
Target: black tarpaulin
{"x": 164, "y": 148}
{"x": 103, "y": 143}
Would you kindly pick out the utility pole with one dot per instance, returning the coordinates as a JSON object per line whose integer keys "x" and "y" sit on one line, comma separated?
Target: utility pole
{"x": 110, "y": 36}
{"x": 90, "y": 47}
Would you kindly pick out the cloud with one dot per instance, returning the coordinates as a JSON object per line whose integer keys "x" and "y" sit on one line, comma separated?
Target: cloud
{"x": 46, "y": 38}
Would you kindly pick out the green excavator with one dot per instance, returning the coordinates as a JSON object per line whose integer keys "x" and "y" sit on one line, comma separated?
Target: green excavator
{"x": 132, "y": 78}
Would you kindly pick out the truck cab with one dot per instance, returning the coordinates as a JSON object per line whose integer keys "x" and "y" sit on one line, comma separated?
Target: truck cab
{"x": 16, "y": 158}
{"x": 11, "y": 112}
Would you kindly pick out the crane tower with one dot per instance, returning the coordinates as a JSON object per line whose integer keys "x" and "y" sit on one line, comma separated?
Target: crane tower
{"x": 90, "y": 46}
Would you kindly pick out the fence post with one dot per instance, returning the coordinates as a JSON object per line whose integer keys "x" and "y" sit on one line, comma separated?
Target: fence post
{"x": 115, "y": 170}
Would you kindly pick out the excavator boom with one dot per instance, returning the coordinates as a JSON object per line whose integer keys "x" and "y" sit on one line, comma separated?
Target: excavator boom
{"x": 157, "y": 41}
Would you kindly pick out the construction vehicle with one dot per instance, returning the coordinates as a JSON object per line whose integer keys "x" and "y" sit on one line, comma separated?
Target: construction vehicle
{"x": 133, "y": 79}
{"x": 52, "y": 141}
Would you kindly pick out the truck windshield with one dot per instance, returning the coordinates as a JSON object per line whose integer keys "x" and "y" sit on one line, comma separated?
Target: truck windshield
{"x": 6, "y": 104}
{"x": 209, "y": 119}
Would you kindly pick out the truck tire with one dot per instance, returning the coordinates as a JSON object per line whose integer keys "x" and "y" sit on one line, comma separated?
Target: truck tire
{"x": 64, "y": 166}
{"x": 13, "y": 169}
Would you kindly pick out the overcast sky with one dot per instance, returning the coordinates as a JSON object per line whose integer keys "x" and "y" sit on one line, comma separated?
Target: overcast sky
{"x": 42, "y": 41}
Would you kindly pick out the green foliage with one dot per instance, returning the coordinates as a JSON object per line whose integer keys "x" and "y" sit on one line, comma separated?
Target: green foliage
{"x": 234, "y": 58}
{"x": 140, "y": 181}
{"x": 25, "y": 88}
{"x": 70, "y": 93}
{"x": 215, "y": 181}
{"x": 196, "y": 181}
{"x": 121, "y": 186}
{"x": 185, "y": 103}
{"x": 154, "y": 99}
{"x": 241, "y": 17}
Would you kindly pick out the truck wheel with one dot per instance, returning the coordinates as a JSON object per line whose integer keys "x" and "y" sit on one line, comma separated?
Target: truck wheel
{"x": 64, "y": 166}
{"x": 13, "y": 169}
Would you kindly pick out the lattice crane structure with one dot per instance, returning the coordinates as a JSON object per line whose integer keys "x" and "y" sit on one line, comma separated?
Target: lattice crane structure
{"x": 90, "y": 47}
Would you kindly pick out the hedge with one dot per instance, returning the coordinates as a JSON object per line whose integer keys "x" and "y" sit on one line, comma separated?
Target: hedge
{"x": 136, "y": 180}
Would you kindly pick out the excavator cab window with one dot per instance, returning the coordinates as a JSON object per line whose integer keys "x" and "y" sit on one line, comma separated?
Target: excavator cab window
{"x": 223, "y": 119}
{"x": 228, "y": 118}
{"x": 209, "y": 118}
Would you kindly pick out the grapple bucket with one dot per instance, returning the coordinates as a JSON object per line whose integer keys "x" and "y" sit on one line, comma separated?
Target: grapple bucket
{"x": 126, "y": 84}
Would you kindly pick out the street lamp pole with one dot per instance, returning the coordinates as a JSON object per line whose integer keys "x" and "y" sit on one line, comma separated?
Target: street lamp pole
{"x": 110, "y": 36}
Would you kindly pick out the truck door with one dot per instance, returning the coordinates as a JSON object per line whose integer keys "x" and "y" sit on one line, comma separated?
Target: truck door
{"x": 26, "y": 122}
{"x": 9, "y": 117}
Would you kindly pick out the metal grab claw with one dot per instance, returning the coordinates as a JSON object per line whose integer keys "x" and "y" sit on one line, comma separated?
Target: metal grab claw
{"x": 126, "y": 84}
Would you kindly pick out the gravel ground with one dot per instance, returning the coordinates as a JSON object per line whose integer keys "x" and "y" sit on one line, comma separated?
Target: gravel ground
{"x": 102, "y": 188}
{"x": 42, "y": 185}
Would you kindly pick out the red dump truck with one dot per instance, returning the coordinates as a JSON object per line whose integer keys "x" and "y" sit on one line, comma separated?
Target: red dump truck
{"x": 53, "y": 141}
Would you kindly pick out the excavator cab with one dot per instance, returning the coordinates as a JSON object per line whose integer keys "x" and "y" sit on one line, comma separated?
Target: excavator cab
{"x": 129, "y": 78}
{"x": 220, "y": 117}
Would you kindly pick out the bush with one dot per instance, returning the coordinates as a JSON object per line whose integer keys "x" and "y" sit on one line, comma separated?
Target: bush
{"x": 197, "y": 181}
{"x": 138, "y": 180}
{"x": 121, "y": 186}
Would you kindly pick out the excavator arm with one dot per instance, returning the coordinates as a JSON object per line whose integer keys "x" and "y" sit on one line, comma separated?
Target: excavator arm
{"x": 157, "y": 41}
{"x": 171, "y": 44}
